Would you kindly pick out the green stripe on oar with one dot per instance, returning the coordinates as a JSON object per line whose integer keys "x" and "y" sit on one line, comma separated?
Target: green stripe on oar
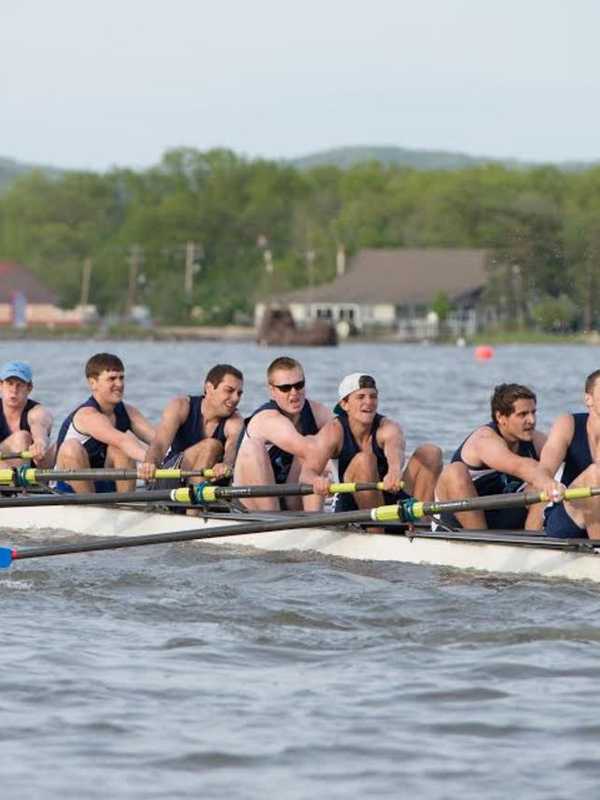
{"x": 380, "y": 514}
{"x": 186, "y": 495}
{"x": 28, "y": 476}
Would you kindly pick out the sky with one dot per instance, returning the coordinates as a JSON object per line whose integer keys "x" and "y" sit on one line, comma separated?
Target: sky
{"x": 119, "y": 82}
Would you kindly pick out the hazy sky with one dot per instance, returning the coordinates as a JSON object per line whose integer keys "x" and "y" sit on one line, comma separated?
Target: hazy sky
{"x": 118, "y": 82}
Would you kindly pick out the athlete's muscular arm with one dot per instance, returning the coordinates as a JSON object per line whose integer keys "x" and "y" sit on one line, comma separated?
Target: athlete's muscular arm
{"x": 91, "y": 422}
{"x": 391, "y": 439}
{"x": 172, "y": 417}
{"x": 557, "y": 443}
{"x": 326, "y": 444}
{"x": 271, "y": 426}
{"x": 40, "y": 423}
{"x": 487, "y": 447}
{"x": 233, "y": 431}
{"x": 141, "y": 426}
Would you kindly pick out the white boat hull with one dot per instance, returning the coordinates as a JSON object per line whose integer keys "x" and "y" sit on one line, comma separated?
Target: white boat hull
{"x": 482, "y": 556}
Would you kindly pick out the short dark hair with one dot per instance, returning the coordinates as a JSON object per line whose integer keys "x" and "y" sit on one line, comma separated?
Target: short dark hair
{"x": 590, "y": 381}
{"x": 283, "y": 362}
{"x": 102, "y": 362}
{"x": 505, "y": 396}
{"x": 216, "y": 374}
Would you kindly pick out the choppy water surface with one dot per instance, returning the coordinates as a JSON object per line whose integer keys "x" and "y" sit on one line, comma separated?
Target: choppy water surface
{"x": 193, "y": 671}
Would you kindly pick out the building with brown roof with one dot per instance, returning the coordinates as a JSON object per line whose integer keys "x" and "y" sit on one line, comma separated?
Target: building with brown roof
{"x": 25, "y": 301}
{"x": 393, "y": 290}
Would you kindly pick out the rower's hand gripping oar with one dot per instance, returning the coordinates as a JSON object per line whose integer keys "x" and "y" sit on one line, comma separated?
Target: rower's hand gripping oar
{"x": 405, "y": 511}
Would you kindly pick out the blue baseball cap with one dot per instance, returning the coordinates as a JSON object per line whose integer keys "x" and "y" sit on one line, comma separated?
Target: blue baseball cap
{"x": 16, "y": 369}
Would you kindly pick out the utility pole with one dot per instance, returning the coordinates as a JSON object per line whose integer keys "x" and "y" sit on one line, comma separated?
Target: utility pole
{"x": 193, "y": 253}
{"x": 135, "y": 260}
{"x": 85, "y": 281}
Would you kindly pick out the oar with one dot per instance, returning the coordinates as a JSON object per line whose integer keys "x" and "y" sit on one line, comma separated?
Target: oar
{"x": 24, "y": 454}
{"x": 187, "y": 495}
{"x": 27, "y": 476}
{"x": 380, "y": 514}
{"x": 406, "y": 511}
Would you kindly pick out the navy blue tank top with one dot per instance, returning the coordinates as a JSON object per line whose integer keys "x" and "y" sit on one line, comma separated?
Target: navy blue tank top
{"x": 281, "y": 461}
{"x": 578, "y": 456}
{"x": 5, "y": 431}
{"x": 350, "y": 448}
{"x": 493, "y": 481}
{"x": 192, "y": 431}
{"x": 95, "y": 449}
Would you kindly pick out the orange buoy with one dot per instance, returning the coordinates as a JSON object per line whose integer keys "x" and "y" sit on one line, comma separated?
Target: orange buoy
{"x": 484, "y": 352}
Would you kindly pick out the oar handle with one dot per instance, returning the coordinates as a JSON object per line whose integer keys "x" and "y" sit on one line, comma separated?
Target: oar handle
{"x": 26, "y": 455}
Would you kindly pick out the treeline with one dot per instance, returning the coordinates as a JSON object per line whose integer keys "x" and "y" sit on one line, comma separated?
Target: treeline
{"x": 233, "y": 216}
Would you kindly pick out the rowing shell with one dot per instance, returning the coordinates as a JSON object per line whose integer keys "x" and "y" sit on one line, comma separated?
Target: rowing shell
{"x": 486, "y": 551}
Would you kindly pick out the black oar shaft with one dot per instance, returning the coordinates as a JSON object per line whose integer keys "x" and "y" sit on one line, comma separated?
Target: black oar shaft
{"x": 141, "y": 496}
{"x": 234, "y": 529}
{"x": 281, "y": 490}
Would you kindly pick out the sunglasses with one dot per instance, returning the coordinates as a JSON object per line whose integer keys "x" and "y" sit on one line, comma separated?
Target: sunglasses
{"x": 286, "y": 388}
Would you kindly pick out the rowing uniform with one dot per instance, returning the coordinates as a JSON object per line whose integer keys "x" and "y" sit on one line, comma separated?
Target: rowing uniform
{"x": 281, "y": 461}
{"x": 95, "y": 449}
{"x": 192, "y": 431}
{"x": 346, "y": 502}
{"x": 489, "y": 481}
{"x": 5, "y": 431}
{"x": 557, "y": 522}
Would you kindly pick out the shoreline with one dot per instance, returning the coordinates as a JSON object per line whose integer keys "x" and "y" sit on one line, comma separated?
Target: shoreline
{"x": 246, "y": 333}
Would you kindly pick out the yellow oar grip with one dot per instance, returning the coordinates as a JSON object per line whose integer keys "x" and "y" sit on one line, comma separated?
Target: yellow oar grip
{"x": 6, "y": 476}
{"x": 578, "y": 493}
{"x": 172, "y": 474}
{"x": 348, "y": 488}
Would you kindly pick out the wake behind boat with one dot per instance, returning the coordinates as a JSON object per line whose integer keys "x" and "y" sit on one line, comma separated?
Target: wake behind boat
{"x": 505, "y": 552}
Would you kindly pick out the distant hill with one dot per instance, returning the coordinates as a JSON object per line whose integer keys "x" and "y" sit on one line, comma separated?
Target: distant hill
{"x": 345, "y": 157}
{"x": 10, "y": 170}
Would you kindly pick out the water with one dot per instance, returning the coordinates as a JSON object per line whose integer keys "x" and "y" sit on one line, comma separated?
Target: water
{"x": 185, "y": 671}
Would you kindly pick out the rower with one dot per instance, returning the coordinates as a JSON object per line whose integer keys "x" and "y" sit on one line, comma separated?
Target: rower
{"x": 500, "y": 457}
{"x": 103, "y": 431}
{"x": 369, "y": 447}
{"x": 25, "y": 424}
{"x": 574, "y": 442}
{"x": 278, "y": 435}
{"x": 200, "y": 431}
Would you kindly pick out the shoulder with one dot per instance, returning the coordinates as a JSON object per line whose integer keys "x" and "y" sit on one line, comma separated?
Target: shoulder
{"x": 563, "y": 426}
{"x": 39, "y": 411}
{"x": 179, "y": 405}
{"x": 388, "y": 427}
{"x": 132, "y": 411}
{"x": 481, "y": 439}
{"x": 321, "y": 412}
{"x": 234, "y": 424}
